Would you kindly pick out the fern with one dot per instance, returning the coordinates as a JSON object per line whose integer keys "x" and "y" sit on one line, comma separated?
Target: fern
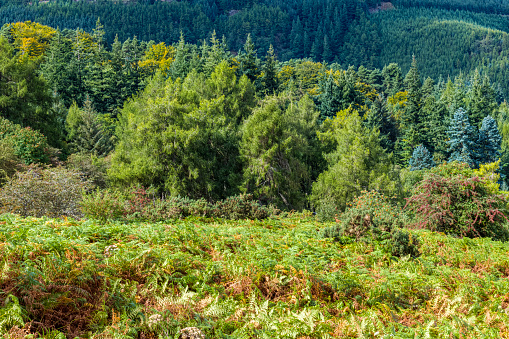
{"x": 11, "y": 314}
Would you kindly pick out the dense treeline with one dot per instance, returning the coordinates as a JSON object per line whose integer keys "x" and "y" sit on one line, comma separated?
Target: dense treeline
{"x": 448, "y": 37}
{"x": 197, "y": 121}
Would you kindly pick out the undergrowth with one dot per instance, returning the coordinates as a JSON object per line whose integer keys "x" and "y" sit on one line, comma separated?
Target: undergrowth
{"x": 275, "y": 278}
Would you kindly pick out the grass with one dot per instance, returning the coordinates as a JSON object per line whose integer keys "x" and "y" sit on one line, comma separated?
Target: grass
{"x": 242, "y": 279}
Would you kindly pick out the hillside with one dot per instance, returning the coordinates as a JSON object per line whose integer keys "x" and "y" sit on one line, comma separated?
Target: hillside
{"x": 448, "y": 37}
{"x": 246, "y": 279}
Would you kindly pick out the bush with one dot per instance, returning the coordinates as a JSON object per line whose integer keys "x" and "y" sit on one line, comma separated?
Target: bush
{"x": 452, "y": 199}
{"x": 402, "y": 243}
{"x": 29, "y": 145}
{"x": 327, "y": 209}
{"x": 9, "y": 162}
{"x": 44, "y": 191}
{"x": 369, "y": 216}
{"x": 91, "y": 166}
{"x": 138, "y": 204}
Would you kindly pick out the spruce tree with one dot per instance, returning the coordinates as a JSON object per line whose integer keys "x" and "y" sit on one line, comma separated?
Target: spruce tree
{"x": 85, "y": 132}
{"x": 488, "y": 142}
{"x": 421, "y": 159}
{"x": 462, "y": 139}
{"x": 379, "y": 117}
{"x": 481, "y": 99}
{"x": 269, "y": 80}
{"x": 248, "y": 62}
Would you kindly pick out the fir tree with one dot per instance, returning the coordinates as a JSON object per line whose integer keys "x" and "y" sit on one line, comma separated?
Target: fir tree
{"x": 269, "y": 78}
{"x": 481, "y": 99}
{"x": 421, "y": 159}
{"x": 461, "y": 139}
{"x": 488, "y": 142}
{"x": 380, "y": 118}
{"x": 248, "y": 62}
{"x": 86, "y": 134}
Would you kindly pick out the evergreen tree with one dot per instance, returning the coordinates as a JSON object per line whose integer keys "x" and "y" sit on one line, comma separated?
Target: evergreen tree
{"x": 248, "y": 62}
{"x": 413, "y": 127}
{"x": 269, "y": 78}
{"x": 392, "y": 79}
{"x": 461, "y": 134}
{"x": 275, "y": 147}
{"x": 379, "y": 117}
{"x": 85, "y": 132}
{"x": 180, "y": 67}
{"x": 421, "y": 159}
{"x": 481, "y": 99}
{"x": 488, "y": 142}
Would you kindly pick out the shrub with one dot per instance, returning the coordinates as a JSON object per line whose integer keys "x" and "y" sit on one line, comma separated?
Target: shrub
{"x": 103, "y": 204}
{"x": 327, "y": 209}
{"x": 29, "y": 145}
{"x": 240, "y": 207}
{"x": 91, "y": 166}
{"x": 9, "y": 162}
{"x": 402, "y": 243}
{"x": 138, "y": 204}
{"x": 452, "y": 199}
{"x": 371, "y": 215}
{"x": 44, "y": 191}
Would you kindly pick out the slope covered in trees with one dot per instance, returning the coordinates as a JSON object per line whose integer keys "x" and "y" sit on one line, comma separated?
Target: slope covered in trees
{"x": 448, "y": 37}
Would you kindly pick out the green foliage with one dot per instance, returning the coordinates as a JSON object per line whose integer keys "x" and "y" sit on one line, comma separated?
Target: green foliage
{"x": 276, "y": 146}
{"x": 92, "y": 167}
{"x": 28, "y": 145}
{"x": 358, "y": 162}
{"x": 403, "y": 243}
{"x": 138, "y": 204}
{"x": 181, "y": 135}
{"x": 85, "y": 133}
{"x": 11, "y": 313}
{"x": 452, "y": 199}
{"x": 9, "y": 162}
{"x": 369, "y": 216}
{"x": 275, "y": 278}
{"x": 43, "y": 191}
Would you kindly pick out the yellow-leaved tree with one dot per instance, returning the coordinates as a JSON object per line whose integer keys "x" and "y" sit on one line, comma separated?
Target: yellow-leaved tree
{"x": 31, "y": 38}
{"x": 157, "y": 58}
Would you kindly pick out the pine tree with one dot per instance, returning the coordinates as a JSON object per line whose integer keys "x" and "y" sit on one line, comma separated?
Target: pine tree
{"x": 380, "y": 118}
{"x": 488, "y": 142}
{"x": 421, "y": 159}
{"x": 462, "y": 139}
{"x": 269, "y": 78}
{"x": 180, "y": 66}
{"x": 248, "y": 62}
{"x": 85, "y": 132}
{"x": 481, "y": 99}
{"x": 392, "y": 79}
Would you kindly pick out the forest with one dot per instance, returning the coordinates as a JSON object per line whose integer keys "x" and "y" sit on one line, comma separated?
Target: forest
{"x": 254, "y": 169}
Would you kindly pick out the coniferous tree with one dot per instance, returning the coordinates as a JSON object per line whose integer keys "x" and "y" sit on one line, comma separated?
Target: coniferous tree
{"x": 421, "y": 159}
{"x": 488, "y": 142}
{"x": 380, "y": 118}
{"x": 269, "y": 80}
{"x": 86, "y": 134}
{"x": 481, "y": 99}
{"x": 248, "y": 62}
{"x": 392, "y": 79}
{"x": 462, "y": 139}
{"x": 413, "y": 128}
